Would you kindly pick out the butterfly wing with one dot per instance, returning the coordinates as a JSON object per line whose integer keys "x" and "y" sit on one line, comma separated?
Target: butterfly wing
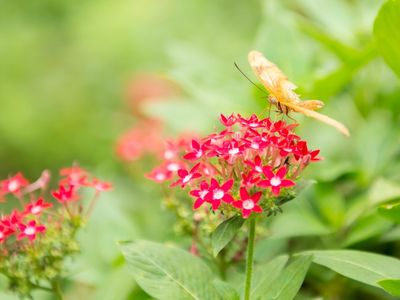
{"x": 311, "y": 104}
{"x": 320, "y": 117}
{"x": 272, "y": 78}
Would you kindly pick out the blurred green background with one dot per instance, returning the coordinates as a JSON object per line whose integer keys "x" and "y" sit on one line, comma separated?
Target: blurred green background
{"x": 65, "y": 67}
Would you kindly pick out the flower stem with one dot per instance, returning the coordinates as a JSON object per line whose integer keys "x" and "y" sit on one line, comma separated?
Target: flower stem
{"x": 249, "y": 259}
{"x": 56, "y": 287}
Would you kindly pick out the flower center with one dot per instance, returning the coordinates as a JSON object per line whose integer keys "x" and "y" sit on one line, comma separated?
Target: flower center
{"x": 234, "y": 151}
{"x": 160, "y": 176}
{"x": 258, "y": 169}
{"x": 253, "y": 124}
{"x": 218, "y": 194}
{"x": 30, "y": 230}
{"x": 255, "y": 145}
{"x": 36, "y": 209}
{"x": 202, "y": 194}
{"x": 199, "y": 153}
{"x": 187, "y": 178}
{"x": 248, "y": 204}
{"x": 173, "y": 167}
{"x": 13, "y": 185}
{"x": 169, "y": 154}
{"x": 275, "y": 181}
{"x": 1, "y": 235}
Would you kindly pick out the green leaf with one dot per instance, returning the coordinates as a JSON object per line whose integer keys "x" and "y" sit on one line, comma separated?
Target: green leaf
{"x": 265, "y": 274}
{"x": 169, "y": 273}
{"x": 387, "y": 33}
{"x": 225, "y": 290}
{"x": 392, "y": 286}
{"x": 391, "y": 212}
{"x": 361, "y": 266}
{"x": 225, "y": 232}
{"x": 286, "y": 286}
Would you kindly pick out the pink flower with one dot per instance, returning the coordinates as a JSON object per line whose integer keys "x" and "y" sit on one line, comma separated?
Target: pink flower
{"x": 64, "y": 195}
{"x": 13, "y": 184}
{"x": 187, "y": 176}
{"x": 275, "y": 181}
{"x": 256, "y": 165}
{"x": 217, "y": 193}
{"x": 248, "y": 203}
{"x": 37, "y": 207}
{"x": 30, "y": 230}
{"x": 74, "y": 176}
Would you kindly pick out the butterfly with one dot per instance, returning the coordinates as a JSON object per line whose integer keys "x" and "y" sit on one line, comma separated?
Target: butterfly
{"x": 282, "y": 95}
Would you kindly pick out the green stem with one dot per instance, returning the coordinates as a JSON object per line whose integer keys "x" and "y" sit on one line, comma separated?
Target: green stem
{"x": 249, "y": 259}
{"x": 56, "y": 287}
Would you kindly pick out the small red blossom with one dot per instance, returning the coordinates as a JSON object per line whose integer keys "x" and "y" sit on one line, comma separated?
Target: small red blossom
{"x": 247, "y": 203}
{"x": 5, "y": 232}
{"x": 64, "y": 194}
{"x": 228, "y": 121}
{"x": 200, "y": 194}
{"x": 187, "y": 176}
{"x": 159, "y": 174}
{"x": 30, "y": 230}
{"x": 198, "y": 151}
{"x": 37, "y": 207}
{"x": 101, "y": 186}
{"x": 13, "y": 184}
{"x": 218, "y": 193}
{"x": 275, "y": 181}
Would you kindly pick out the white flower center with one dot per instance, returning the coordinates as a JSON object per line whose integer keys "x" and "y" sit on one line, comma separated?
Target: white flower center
{"x": 173, "y": 167}
{"x": 248, "y": 204}
{"x": 258, "y": 169}
{"x": 255, "y": 145}
{"x": 275, "y": 181}
{"x": 169, "y": 154}
{"x": 13, "y": 185}
{"x": 1, "y": 235}
{"x": 218, "y": 194}
{"x": 289, "y": 150}
{"x": 253, "y": 125}
{"x": 199, "y": 153}
{"x": 36, "y": 209}
{"x": 202, "y": 194}
{"x": 30, "y": 230}
{"x": 233, "y": 151}
{"x": 187, "y": 178}
{"x": 160, "y": 176}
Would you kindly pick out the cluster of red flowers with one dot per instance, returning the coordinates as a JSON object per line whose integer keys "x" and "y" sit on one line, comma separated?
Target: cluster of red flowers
{"x": 241, "y": 167}
{"x": 28, "y": 221}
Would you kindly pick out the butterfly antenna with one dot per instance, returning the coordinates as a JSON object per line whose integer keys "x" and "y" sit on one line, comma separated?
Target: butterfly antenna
{"x": 251, "y": 81}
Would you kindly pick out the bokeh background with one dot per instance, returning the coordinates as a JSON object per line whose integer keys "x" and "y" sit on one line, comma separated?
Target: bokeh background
{"x": 67, "y": 70}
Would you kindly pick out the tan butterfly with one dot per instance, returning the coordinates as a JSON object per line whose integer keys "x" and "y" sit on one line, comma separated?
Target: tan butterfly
{"x": 281, "y": 92}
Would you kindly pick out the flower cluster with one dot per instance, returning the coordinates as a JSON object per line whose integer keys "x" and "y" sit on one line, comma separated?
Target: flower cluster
{"x": 40, "y": 234}
{"x": 248, "y": 167}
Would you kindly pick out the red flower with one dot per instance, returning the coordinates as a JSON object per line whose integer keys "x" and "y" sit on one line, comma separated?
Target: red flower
{"x": 198, "y": 151}
{"x": 13, "y": 184}
{"x": 248, "y": 203}
{"x": 228, "y": 121}
{"x": 5, "y": 232}
{"x": 256, "y": 165}
{"x": 249, "y": 180}
{"x": 75, "y": 176}
{"x": 30, "y": 230}
{"x": 275, "y": 181}
{"x": 218, "y": 193}
{"x": 200, "y": 194}
{"x": 37, "y": 207}
{"x": 64, "y": 195}
{"x": 159, "y": 174}
{"x": 302, "y": 151}
{"x": 101, "y": 186}
{"x": 187, "y": 176}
